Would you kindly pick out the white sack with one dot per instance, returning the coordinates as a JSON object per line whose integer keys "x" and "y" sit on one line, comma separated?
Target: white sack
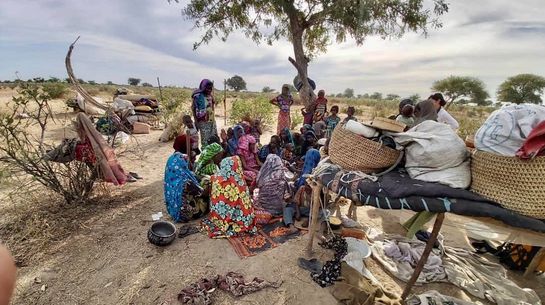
{"x": 89, "y": 108}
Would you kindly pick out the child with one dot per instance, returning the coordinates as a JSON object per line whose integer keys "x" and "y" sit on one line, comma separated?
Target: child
{"x": 193, "y": 132}
{"x": 319, "y": 129}
{"x": 287, "y": 153}
{"x": 350, "y": 112}
{"x": 332, "y": 120}
{"x": 307, "y": 116}
{"x": 406, "y": 116}
{"x": 256, "y": 131}
{"x": 299, "y": 207}
{"x": 321, "y": 106}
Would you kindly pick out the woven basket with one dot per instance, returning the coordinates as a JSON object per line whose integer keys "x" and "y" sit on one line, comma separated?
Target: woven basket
{"x": 515, "y": 184}
{"x": 387, "y": 124}
{"x": 354, "y": 152}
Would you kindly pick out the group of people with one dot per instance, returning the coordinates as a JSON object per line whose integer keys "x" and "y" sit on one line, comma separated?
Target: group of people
{"x": 236, "y": 178}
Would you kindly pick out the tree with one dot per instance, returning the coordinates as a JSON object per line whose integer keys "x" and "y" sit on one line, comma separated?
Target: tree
{"x": 415, "y": 98}
{"x": 456, "y": 87}
{"x": 376, "y": 96}
{"x": 147, "y": 85}
{"x": 366, "y": 95}
{"x": 348, "y": 92}
{"x": 267, "y": 89}
{"x": 53, "y": 79}
{"x": 133, "y": 81}
{"x": 109, "y": 83}
{"x": 522, "y": 88}
{"x": 392, "y": 97}
{"x": 92, "y": 82}
{"x": 339, "y": 95}
{"x": 310, "y": 24}
{"x": 236, "y": 83}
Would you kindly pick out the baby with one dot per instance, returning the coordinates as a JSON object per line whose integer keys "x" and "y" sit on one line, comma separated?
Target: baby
{"x": 287, "y": 153}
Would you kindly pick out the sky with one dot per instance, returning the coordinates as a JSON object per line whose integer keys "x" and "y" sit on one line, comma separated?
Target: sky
{"x": 146, "y": 39}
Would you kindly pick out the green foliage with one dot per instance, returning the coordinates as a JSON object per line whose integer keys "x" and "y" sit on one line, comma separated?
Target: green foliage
{"x": 174, "y": 103}
{"x": 92, "y": 82}
{"x": 348, "y": 93}
{"x": 376, "y": 96}
{"x": 133, "y": 81}
{"x": 296, "y": 120}
{"x": 469, "y": 125}
{"x": 55, "y": 90}
{"x": 522, "y": 88}
{"x": 257, "y": 108}
{"x": 455, "y": 87}
{"x": 392, "y": 97}
{"x": 317, "y": 20}
{"x": 415, "y": 98}
{"x": 109, "y": 83}
{"x": 267, "y": 89}
{"x": 147, "y": 85}
{"x": 236, "y": 83}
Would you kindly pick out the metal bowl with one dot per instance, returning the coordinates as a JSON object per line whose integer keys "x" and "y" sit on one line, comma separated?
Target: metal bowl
{"x": 162, "y": 233}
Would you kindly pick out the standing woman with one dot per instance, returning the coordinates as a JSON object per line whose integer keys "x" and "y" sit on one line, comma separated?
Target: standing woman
{"x": 284, "y": 102}
{"x": 203, "y": 110}
{"x": 442, "y": 115}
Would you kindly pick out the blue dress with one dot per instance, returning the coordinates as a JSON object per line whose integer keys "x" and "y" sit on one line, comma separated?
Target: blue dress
{"x": 177, "y": 174}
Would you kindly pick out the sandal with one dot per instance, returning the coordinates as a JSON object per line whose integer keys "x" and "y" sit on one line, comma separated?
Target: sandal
{"x": 135, "y": 175}
{"x": 187, "y": 230}
{"x": 312, "y": 265}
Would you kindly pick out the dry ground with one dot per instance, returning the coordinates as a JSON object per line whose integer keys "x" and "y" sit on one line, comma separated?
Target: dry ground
{"x": 102, "y": 255}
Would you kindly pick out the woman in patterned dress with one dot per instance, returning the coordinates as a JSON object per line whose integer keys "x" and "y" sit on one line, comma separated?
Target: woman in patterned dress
{"x": 203, "y": 110}
{"x": 284, "y": 102}
{"x": 231, "y": 209}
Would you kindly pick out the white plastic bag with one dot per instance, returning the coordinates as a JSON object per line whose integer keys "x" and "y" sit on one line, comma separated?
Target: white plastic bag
{"x": 435, "y": 153}
{"x": 505, "y": 130}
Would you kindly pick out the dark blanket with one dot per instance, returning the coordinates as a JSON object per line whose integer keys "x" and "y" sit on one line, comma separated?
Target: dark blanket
{"x": 397, "y": 191}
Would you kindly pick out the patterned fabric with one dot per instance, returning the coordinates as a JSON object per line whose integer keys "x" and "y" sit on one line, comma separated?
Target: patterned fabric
{"x": 204, "y": 166}
{"x": 203, "y": 102}
{"x": 177, "y": 174}
{"x": 246, "y": 154}
{"x": 284, "y": 121}
{"x": 266, "y": 150}
{"x": 207, "y": 129}
{"x": 331, "y": 123}
{"x": 272, "y": 185}
{"x": 231, "y": 211}
{"x": 312, "y": 157}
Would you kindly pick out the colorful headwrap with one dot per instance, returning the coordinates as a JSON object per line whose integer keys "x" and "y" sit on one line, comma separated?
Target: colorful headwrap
{"x": 203, "y": 165}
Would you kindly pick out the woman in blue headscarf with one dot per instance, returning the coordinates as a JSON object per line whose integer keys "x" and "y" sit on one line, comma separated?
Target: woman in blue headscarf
{"x": 232, "y": 144}
{"x": 286, "y": 137}
{"x": 312, "y": 158}
{"x": 203, "y": 110}
{"x": 180, "y": 185}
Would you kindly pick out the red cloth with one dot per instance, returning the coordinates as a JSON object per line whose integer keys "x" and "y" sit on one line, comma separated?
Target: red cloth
{"x": 84, "y": 153}
{"x": 534, "y": 145}
{"x": 180, "y": 143}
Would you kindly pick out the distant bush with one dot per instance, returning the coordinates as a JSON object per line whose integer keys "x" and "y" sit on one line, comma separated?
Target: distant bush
{"x": 296, "y": 119}
{"x": 175, "y": 102}
{"x": 255, "y": 108}
{"x": 55, "y": 90}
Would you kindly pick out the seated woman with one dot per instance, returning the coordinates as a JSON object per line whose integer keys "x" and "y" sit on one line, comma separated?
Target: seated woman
{"x": 298, "y": 141}
{"x": 310, "y": 141}
{"x": 286, "y": 137}
{"x": 272, "y": 148}
{"x": 272, "y": 186}
{"x": 248, "y": 154}
{"x": 232, "y": 142}
{"x": 231, "y": 209}
{"x": 207, "y": 165}
{"x": 181, "y": 187}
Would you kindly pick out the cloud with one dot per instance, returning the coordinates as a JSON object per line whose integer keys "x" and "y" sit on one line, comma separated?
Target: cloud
{"x": 492, "y": 40}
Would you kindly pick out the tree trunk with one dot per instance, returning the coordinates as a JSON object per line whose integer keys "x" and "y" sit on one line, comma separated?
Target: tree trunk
{"x": 301, "y": 63}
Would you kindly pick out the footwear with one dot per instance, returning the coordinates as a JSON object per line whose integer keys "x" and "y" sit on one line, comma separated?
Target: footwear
{"x": 187, "y": 230}
{"x": 135, "y": 175}
{"x": 312, "y": 265}
{"x": 131, "y": 178}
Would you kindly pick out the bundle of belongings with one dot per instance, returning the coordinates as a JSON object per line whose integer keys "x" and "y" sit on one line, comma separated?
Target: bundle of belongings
{"x": 90, "y": 148}
{"x": 136, "y": 110}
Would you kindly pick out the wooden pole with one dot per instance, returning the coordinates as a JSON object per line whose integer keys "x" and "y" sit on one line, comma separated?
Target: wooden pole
{"x": 160, "y": 91}
{"x": 224, "y": 102}
{"x": 429, "y": 246}
{"x": 315, "y": 208}
{"x": 188, "y": 148}
{"x": 540, "y": 255}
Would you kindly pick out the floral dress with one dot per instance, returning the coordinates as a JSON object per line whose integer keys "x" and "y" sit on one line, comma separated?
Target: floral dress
{"x": 180, "y": 206}
{"x": 284, "y": 118}
{"x": 231, "y": 210}
{"x": 331, "y": 123}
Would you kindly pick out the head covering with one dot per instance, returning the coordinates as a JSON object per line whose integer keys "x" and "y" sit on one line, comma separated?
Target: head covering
{"x": 180, "y": 144}
{"x": 246, "y": 127}
{"x": 203, "y": 165}
{"x": 310, "y": 133}
{"x": 307, "y": 127}
{"x": 287, "y": 131}
{"x": 177, "y": 174}
{"x": 202, "y": 87}
{"x": 233, "y": 142}
{"x": 272, "y": 185}
{"x": 312, "y": 158}
{"x": 231, "y": 209}
{"x": 424, "y": 111}
{"x": 199, "y": 99}
{"x": 404, "y": 102}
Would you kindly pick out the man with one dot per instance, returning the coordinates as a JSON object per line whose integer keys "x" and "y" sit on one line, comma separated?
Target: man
{"x": 442, "y": 115}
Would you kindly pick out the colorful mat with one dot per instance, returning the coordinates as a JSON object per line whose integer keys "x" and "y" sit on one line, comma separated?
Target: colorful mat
{"x": 267, "y": 237}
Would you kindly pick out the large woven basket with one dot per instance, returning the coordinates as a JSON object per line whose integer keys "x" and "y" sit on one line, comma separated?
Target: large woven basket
{"x": 356, "y": 153}
{"x": 515, "y": 184}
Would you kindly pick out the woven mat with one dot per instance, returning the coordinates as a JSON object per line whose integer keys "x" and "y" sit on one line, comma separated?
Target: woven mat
{"x": 267, "y": 237}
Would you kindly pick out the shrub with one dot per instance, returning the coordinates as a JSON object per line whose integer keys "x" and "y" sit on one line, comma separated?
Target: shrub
{"x": 55, "y": 90}
{"x": 296, "y": 119}
{"x": 255, "y": 108}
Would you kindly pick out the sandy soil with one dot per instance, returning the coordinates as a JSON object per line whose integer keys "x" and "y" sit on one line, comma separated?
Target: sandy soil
{"x": 108, "y": 259}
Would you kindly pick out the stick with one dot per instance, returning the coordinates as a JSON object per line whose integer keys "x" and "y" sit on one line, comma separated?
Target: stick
{"x": 540, "y": 255}
{"x": 315, "y": 208}
{"x": 160, "y": 91}
{"x": 225, "y": 102}
{"x": 429, "y": 246}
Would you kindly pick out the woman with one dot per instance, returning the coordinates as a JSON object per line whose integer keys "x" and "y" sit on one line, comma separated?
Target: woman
{"x": 238, "y": 132}
{"x": 286, "y": 137}
{"x": 180, "y": 185}
{"x": 203, "y": 110}
{"x": 247, "y": 152}
{"x": 209, "y": 160}
{"x": 312, "y": 158}
{"x": 272, "y": 185}
{"x": 284, "y": 102}
{"x": 442, "y": 115}
{"x": 310, "y": 140}
{"x": 231, "y": 210}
